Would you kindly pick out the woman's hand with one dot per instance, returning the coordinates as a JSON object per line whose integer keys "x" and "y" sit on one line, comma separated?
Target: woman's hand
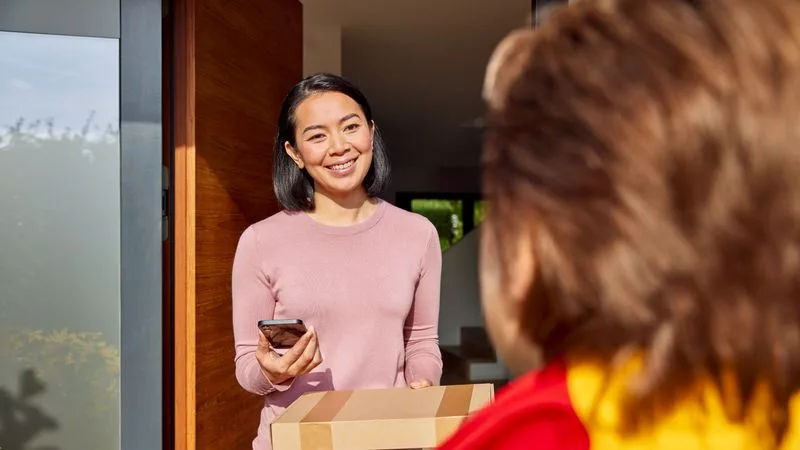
{"x": 419, "y": 384}
{"x": 299, "y": 360}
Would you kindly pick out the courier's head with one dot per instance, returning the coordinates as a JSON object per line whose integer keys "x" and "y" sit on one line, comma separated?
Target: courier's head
{"x": 642, "y": 171}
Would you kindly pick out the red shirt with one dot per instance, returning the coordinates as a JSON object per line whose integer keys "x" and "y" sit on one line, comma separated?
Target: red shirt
{"x": 533, "y": 412}
{"x": 567, "y": 406}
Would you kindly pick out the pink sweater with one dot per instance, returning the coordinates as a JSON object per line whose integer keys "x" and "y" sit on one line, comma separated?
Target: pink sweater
{"x": 370, "y": 290}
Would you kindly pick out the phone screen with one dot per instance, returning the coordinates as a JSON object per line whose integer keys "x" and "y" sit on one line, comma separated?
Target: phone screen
{"x": 284, "y": 335}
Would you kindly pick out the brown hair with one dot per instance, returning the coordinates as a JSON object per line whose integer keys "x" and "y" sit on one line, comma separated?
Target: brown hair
{"x": 652, "y": 150}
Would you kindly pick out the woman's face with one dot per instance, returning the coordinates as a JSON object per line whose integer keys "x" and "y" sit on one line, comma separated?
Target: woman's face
{"x": 333, "y": 143}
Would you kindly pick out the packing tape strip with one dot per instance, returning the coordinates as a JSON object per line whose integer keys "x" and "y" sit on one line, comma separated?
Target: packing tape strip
{"x": 455, "y": 400}
{"x": 315, "y": 427}
{"x": 454, "y": 406}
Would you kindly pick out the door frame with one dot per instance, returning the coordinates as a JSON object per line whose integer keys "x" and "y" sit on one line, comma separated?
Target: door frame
{"x": 141, "y": 121}
{"x": 183, "y": 241}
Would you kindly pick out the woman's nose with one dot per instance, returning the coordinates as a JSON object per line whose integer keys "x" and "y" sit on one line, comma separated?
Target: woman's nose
{"x": 340, "y": 144}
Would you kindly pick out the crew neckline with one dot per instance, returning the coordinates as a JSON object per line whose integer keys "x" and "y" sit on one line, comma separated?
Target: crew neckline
{"x": 356, "y": 228}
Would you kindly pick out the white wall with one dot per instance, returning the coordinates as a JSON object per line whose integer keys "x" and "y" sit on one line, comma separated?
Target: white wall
{"x": 461, "y": 305}
{"x": 460, "y": 299}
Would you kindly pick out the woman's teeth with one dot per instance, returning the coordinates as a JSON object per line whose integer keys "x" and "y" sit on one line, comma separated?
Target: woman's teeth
{"x": 343, "y": 166}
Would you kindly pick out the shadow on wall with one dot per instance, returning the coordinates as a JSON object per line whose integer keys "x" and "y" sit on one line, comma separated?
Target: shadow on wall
{"x": 21, "y": 419}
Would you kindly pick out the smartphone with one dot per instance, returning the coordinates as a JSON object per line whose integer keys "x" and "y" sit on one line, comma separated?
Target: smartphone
{"x": 282, "y": 333}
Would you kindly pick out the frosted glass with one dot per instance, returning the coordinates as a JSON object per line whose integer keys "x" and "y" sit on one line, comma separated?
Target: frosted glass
{"x": 59, "y": 242}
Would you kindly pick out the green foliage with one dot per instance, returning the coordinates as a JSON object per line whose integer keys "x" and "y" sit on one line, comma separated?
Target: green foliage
{"x": 446, "y": 216}
{"x": 37, "y": 133}
{"x": 81, "y": 370}
{"x": 54, "y": 353}
{"x": 479, "y": 212}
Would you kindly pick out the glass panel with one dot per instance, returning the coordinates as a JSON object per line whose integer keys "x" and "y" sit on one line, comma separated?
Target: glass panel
{"x": 446, "y": 216}
{"x": 59, "y": 242}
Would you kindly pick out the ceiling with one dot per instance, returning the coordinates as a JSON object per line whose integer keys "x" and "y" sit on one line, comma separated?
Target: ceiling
{"x": 421, "y": 64}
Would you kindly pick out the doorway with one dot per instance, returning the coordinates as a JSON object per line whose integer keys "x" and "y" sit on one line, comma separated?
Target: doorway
{"x": 229, "y": 71}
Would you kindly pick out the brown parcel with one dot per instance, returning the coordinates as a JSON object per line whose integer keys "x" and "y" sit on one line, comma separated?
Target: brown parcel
{"x": 377, "y": 419}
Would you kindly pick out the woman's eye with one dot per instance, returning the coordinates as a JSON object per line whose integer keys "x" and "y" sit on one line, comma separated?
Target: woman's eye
{"x": 352, "y": 127}
{"x": 317, "y": 137}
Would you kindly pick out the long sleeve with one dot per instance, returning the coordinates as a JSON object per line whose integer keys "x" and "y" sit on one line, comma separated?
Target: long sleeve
{"x": 252, "y": 301}
{"x": 423, "y": 357}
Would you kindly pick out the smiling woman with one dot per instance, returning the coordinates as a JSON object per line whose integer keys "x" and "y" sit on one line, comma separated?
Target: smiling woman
{"x": 361, "y": 274}
{"x": 327, "y": 140}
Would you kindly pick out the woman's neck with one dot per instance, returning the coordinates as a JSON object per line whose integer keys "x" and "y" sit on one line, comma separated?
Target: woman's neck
{"x": 342, "y": 211}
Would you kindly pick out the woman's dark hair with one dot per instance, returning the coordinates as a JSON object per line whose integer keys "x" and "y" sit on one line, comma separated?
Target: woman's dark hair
{"x": 294, "y": 187}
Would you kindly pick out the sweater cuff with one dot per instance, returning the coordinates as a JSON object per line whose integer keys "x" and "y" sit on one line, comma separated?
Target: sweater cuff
{"x": 424, "y": 367}
{"x": 279, "y": 387}
{"x": 258, "y": 383}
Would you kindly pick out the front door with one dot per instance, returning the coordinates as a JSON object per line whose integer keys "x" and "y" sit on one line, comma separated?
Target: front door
{"x": 232, "y": 64}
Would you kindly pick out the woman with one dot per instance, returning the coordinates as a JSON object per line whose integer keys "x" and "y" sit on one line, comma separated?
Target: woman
{"x": 642, "y": 172}
{"x": 363, "y": 275}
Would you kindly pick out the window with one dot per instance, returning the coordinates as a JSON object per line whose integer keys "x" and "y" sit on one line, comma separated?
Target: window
{"x": 446, "y": 216}
{"x": 453, "y": 215}
{"x": 60, "y": 225}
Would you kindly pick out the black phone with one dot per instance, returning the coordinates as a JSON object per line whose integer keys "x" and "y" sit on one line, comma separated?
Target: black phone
{"x": 282, "y": 333}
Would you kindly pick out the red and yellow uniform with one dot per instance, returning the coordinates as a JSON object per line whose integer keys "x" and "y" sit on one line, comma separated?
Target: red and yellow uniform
{"x": 569, "y": 406}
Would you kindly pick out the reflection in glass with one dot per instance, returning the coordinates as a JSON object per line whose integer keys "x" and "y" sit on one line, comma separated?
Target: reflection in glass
{"x": 59, "y": 242}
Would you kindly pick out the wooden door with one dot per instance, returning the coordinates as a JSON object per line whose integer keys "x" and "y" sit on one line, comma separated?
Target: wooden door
{"x": 234, "y": 61}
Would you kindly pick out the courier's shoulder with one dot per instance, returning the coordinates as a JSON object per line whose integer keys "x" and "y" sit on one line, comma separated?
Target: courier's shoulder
{"x": 534, "y": 411}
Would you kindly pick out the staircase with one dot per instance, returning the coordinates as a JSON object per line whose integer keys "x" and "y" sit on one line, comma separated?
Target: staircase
{"x": 474, "y": 361}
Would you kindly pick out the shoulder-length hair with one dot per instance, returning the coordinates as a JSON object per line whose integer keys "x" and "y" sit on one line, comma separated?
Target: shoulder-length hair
{"x": 294, "y": 187}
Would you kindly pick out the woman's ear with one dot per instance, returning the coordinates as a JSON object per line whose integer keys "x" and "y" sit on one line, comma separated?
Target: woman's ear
{"x": 294, "y": 154}
{"x": 507, "y": 274}
{"x": 372, "y": 134}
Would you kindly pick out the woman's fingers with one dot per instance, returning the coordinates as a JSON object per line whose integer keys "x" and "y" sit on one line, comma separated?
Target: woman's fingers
{"x": 298, "y": 348}
{"x": 316, "y": 360}
{"x": 299, "y": 365}
{"x": 419, "y": 384}
{"x": 263, "y": 352}
{"x": 279, "y": 368}
{"x": 263, "y": 343}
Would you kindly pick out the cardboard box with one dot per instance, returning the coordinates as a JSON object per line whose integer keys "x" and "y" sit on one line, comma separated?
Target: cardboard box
{"x": 377, "y": 419}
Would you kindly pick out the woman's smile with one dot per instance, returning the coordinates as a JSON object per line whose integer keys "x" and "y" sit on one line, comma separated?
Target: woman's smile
{"x": 343, "y": 168}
